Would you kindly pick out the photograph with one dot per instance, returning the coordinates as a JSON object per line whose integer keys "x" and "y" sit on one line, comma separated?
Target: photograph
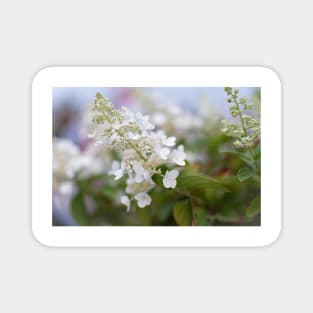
{"x": 156, "y": 156}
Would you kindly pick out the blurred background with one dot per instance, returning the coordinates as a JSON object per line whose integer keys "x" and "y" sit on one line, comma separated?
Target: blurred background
{"x": 192, "y": 115}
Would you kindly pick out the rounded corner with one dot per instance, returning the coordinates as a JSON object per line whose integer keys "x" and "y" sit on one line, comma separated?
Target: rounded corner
{"x": 38, "y": 238}
{"x": 272, "y": 74}
{"x": 41, "y": 73}
{"x": 273, "y": 239}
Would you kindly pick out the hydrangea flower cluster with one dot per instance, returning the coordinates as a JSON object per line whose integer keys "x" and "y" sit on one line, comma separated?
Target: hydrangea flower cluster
{"x": 248, "y": 132}
{"x": 143, "y": 149}
{"x": 70, "y": 162}
{"x": 63, "y": 153}
{"x": 168, "y": 115}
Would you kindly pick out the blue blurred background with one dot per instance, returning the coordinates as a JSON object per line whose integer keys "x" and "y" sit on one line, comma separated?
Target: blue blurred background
{"x": 70, "y": 102}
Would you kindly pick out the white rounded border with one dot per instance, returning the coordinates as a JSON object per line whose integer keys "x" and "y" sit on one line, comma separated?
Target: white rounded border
{"x": 115, "y": 236}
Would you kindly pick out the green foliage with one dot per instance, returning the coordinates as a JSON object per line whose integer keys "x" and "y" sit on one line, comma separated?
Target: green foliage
{"x": 245, "y": 173}
{"x": 191, "y": 180}
{"x": 254, "y": 208}
{"x": 228, "y": 215}
{"x": 157, "y": 179}
{"x": 201, "y": 217}
{"x": 78, "y": 209}
{"x": 183, "y": 213}
{"x": 144, "y": 215}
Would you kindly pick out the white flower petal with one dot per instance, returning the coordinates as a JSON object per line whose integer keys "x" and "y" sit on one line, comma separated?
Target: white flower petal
{"x": 170, "y": 141}
{"x": 173, "y": 174}
{"x": 118, "y": 174}
{"x": 169, "y": 180}
{"x": 133, "y": 136}
{"x": 126, "y": 201}
{"x": 67, "y": 188}
{"x": 169, "y": 183}
{"x": 143, "y": 199}
{"x": 139, "y": 178}
{"x": 178, "y": 156}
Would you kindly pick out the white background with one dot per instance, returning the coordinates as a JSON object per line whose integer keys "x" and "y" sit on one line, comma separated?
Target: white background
{"x": 35, "y": 34}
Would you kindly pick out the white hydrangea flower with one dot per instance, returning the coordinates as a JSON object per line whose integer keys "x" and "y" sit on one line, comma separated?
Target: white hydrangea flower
{"x": 143, "y": 121}
{"x": 133, "y": 187}
{"x": 169, "y": 180}
{"x": 126, "y": 201}
{"x": 159, "y": 118}
{"x": 141, "y": 173}
{"x": 162, "y": 152}
{"x": 66, "y": 188}
{"x": 170, "y": 141}
{"x": 82, "y": 163}
{"x": 178, "y": 156}
{"x": 171, "y": 117}
{"x": 133, "y": 136}
{"x": 117, "y": 171}
{"x": 142, "y": 149}
{"x": 143, "y": 199}
{"x": 69, "y": 163}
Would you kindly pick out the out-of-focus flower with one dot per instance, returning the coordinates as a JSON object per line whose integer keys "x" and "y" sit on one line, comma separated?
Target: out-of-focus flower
{"x": 247, "y": 130}
{"x": 178, "y": 156}
{"x": 69, "y": 164}
{"x": 64, "y": 152}
{"x": 116, "y": 170}
{"x": 170, "y": 117}
{"x": 126, "y": 201}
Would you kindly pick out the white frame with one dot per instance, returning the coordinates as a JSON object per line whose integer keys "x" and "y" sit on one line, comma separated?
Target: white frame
{"x": 115, "y": 236}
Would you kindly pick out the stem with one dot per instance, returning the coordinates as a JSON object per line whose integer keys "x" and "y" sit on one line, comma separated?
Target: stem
{"x": 134, "y": 147}
{"x": 137, "y": 151}
{"x": 244, "y": 129}
{"x": 130, "y": 143}
{"x": 240, "y": 116}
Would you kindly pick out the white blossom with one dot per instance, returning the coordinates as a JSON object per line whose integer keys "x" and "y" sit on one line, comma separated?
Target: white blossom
{"x": 64, "y": 152}
{"x": 143, "y": 121}
{"x": 178, "y": 156}
{"x": 143, "y": 199}
{"x": 66, "y": 188}
{"x": 69, "y": 163}
{"x": 126, "y": 201}
{"x": 171, "y": 117}
{"x": 133, "y": 187}
{"x": 162, "y": 152}
{"x": 116, "y": 170}
{"x": 169, "y": 180}
{"x": 142, "y": 148}
{"x": 170, "y": 141}
{"x": 141, "y": 173}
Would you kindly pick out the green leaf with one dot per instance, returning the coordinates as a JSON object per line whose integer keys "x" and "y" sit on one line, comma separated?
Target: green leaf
{"x": 245, "y": 173}
{"x": 190, "y": 179}
{"x": 228, "y": 215}
{"x": 145, "y": 215}
{"x": 109, "y": 192}
{"x": 165, "y": 210}
{"x": 243, "y": 156}
{"x": 158, "y": 180}
{"x": 182, "y": 213}
{"x": 78, "y": 209}
{"x": 201, "y": 217}
{"x": 254, "y": 208}
{"x": 257, "y": 152}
